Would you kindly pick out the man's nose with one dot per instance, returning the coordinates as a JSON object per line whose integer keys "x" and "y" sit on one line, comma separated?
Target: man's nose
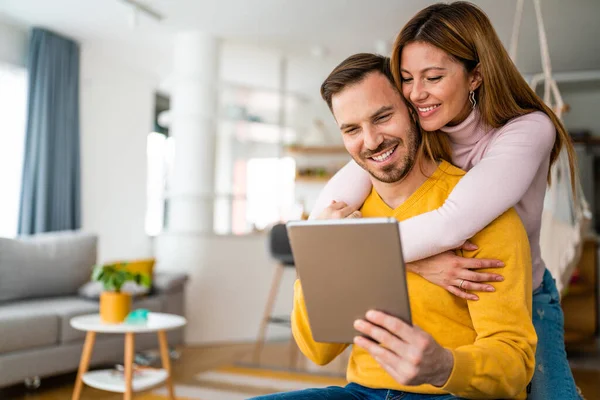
{"x": 372, "y": 137}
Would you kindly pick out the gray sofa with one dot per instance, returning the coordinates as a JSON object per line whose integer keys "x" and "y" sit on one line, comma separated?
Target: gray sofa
{"x": 42, "y": 282}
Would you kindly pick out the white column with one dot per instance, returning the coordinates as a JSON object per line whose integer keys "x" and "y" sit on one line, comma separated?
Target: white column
{"x": 193, "y": 125}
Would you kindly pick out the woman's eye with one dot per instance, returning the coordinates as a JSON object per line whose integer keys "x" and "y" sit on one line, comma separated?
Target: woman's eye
{"x": 406, "y": 80}
{"x": 434, "y": 78}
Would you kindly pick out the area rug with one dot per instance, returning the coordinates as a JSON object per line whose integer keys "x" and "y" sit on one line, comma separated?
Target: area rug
{"x": 238, "y": 383}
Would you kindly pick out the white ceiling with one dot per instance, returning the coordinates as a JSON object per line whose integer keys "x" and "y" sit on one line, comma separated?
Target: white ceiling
{"x": 295, "y": 26}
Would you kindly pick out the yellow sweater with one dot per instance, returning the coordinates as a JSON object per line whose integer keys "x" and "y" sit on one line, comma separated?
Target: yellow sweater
{"x": 493, "y": 339}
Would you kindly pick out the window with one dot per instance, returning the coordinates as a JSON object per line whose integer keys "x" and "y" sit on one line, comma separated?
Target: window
{"x": 263, "y": 195}
{"x": 159, "y": 155}
{"x": 159, "y": 158}
{"x": 254, "y": 179}
{"x": 13, "y": 108}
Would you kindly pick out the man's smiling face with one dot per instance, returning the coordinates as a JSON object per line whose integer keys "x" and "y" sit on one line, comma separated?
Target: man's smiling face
{"x": 376, "y": 127}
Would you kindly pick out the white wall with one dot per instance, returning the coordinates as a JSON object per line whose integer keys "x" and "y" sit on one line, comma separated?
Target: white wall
{"x": 305, "y": 76}
{"x": 230, "y": 278}
{"x": 116, "y": 116}
{"x": 13, "y": 43}
{"x": 584, "y": 100}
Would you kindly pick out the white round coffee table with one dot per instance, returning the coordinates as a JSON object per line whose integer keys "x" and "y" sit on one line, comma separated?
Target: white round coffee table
{"x": 127, "y": 384}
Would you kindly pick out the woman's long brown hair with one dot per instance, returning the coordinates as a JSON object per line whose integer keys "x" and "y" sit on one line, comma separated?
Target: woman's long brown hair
{"x": 465, "y": 33}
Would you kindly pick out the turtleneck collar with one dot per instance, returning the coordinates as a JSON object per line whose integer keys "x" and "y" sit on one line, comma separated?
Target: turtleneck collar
{"x": 468, "y": 132}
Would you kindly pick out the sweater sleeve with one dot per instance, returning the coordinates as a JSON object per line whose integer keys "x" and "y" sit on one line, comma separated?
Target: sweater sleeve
{"x": 497, "y": 183}
{"x": 319, "y": 353}
{"x": 500, "y": 363}
{"x": 351, "y": 184}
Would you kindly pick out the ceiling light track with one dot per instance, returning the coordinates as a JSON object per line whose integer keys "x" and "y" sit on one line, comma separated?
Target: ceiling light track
{"x": 144, "y": 9}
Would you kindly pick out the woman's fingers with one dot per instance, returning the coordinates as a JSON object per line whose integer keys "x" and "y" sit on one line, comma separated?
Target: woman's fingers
{"x": 468, "y": 246}
{"x": 337, "y": 210}
{"x": 355, "y": 214}
{"x": 478, "y": 263}
{"x": 476, "y": 276}
{"x": 462, "y": 294}
{"x": 464, "y": 284}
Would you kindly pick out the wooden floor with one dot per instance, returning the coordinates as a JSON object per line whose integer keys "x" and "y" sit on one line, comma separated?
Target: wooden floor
{"x": 197, "y": 359}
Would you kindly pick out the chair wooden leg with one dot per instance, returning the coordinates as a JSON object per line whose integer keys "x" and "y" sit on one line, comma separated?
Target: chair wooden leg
{"x": 293, "y": 353}
{"x": 129, "y": 349}
{"x": 84, "y": 363}
{"x": 260, "y": 341}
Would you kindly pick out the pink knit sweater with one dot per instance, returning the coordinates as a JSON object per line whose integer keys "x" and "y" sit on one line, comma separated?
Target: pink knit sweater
{"x": 506, "y": 167}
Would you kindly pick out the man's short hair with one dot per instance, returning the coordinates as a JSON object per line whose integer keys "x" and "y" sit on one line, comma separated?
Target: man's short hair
{"x": 354, "y": 69}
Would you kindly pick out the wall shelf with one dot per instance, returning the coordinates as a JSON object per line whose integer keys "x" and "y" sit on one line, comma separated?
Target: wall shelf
{"x": 315, "y": 150}
{"x": 313, "y": 179}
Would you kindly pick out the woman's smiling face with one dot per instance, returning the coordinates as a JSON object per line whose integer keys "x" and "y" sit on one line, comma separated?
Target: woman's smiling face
{"x": 436, "y": 85}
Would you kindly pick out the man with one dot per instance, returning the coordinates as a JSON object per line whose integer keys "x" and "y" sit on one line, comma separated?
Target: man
{"x": 456, "y": 348}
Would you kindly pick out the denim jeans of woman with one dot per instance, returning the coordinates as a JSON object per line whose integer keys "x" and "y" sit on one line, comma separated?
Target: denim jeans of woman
{"x": 352, "y": 391}
{"x": 552, "y": 378}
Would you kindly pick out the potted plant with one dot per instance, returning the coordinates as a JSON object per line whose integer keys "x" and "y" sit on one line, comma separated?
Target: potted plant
{"x": 114, "y": 304}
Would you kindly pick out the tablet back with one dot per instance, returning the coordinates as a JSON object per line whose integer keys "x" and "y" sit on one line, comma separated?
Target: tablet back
{"x": 347, "y": 267}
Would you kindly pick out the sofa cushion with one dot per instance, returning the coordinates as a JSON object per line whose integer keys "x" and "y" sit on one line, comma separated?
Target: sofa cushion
{"x": 52, "y": 264}
{"x": 60, "y": 310}
{"x": 151, "y": 303}
{"x": 169, "y": 282}
{"x": 63, "y": 308}
{"x": 24, "y": 328}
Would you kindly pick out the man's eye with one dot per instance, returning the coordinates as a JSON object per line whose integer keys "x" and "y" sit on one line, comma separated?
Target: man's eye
{"x": 350, "y": 131}
{"x": 383, "y": 118}
{"x": 434, "y": 78}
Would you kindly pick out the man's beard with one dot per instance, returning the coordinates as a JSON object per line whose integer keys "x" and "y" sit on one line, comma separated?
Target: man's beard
{"x": 400, "y": 169}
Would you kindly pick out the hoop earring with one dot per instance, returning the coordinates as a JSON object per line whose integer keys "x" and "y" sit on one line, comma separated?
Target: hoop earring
{"x": 472, "y": 99}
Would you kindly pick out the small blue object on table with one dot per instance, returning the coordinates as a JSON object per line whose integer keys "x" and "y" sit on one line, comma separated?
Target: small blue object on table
{"x": 137, "y": 316}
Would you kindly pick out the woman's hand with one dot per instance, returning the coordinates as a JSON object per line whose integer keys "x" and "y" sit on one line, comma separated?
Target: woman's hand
{"x": 455, "y": 273}
{"x": 339, "y": 210}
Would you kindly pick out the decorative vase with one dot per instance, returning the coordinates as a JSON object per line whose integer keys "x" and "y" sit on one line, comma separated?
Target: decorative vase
{"x": 114, "y": 307}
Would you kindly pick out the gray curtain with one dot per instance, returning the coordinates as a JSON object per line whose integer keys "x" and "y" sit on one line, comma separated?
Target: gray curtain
{"x": 50, "y": 193}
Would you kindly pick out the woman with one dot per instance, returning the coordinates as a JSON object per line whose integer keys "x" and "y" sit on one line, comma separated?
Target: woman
{"x": 450, "y": 65}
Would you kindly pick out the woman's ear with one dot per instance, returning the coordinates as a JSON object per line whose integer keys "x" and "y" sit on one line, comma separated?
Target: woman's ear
{"x": 476, "y": 78}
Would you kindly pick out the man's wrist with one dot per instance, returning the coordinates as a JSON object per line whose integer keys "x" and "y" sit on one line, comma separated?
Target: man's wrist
{"x": 446, "y": 367}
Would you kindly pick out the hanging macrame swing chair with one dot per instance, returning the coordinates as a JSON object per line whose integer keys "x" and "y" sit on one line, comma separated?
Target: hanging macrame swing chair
{"x": 566, "y": 217}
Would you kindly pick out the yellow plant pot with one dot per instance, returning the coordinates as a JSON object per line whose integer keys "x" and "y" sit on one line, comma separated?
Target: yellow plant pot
{"x": 114, "y": 307}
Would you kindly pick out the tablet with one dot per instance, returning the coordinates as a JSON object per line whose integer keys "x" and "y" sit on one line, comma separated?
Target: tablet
{"x": 347, "y": 267}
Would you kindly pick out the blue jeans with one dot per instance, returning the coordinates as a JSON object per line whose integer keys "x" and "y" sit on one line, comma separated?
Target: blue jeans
{"x": 353, "y": 391}
{"x": 552, "y": 378}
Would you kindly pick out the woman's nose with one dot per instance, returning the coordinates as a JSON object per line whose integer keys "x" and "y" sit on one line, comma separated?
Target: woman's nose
{"x": 418, "y": 93}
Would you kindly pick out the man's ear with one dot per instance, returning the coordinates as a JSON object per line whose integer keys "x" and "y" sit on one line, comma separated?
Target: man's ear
{"x": 476, "y": 78}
